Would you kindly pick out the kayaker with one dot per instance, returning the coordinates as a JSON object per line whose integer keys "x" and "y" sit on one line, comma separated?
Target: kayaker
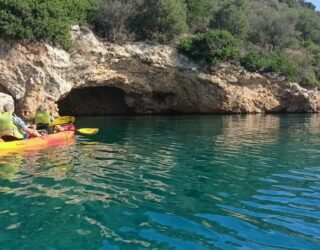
{"x": 13, "y": 127}
{"x": 43, "y": 118}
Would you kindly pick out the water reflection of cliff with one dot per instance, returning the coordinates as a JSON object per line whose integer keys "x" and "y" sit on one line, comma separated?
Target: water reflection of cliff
{"x": 248, "y": 130}
{"x": 244, "y": 131}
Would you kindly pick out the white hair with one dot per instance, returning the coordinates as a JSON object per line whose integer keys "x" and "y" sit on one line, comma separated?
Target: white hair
{"x": 8, "y": 107}
{"x": 43, "y": 107}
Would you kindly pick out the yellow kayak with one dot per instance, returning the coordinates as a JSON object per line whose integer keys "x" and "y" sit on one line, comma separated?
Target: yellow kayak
{"x": 39, "y": 142}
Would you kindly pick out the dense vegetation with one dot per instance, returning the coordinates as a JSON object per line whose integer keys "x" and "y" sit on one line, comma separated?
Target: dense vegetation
{"x": 281, "y": 36}
{"x": 43, "y": 20}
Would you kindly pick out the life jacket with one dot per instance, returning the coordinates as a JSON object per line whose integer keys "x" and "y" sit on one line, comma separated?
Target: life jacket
{"x": 43, "y": 117}
{"x": 7, "y": 126}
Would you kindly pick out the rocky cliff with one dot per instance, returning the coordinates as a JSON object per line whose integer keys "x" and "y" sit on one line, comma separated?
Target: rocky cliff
{"x": 135, "y": 78}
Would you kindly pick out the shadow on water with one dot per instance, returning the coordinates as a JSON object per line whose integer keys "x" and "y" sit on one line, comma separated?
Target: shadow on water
{"x": 178, "y": 182}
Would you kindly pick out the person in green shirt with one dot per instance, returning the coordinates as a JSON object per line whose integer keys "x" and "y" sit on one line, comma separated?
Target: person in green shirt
{"x": 13, "y": 127}
{"x": 43, "y": 118}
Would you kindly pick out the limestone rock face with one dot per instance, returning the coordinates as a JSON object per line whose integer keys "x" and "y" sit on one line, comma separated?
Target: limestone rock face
{"x": 136, "y": 78}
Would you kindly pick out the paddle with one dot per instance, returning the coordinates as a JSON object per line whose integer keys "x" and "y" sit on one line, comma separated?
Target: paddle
{"x": 88, "y": 131}
{"x": 62, "y": 120}
{"x": 70, "y": 119}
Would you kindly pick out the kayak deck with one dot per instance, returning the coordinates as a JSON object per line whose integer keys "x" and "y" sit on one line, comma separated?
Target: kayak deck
{"x": 39, "y": 142}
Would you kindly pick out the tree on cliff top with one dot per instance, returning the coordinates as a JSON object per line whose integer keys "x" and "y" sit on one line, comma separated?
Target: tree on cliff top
{"x": 272, "y": 29}
{"x": 115, "y": 18}
{"x": 199, "y": 14}
{"x": 161, "y": 20}
{"x": 234, "y": 18}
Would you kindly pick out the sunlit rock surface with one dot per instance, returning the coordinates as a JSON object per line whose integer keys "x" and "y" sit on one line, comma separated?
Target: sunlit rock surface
{"x": 136, "y": 78}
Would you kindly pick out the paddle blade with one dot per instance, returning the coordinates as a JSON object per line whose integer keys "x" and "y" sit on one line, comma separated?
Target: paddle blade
{"x": 88, "y": 131}
{"x": 63, "y": 120}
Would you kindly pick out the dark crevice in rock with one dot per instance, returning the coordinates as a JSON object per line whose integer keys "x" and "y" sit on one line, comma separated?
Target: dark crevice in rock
{"x": 94, "y": 101}
{"x": 153, "y": 103}
{"x": 5, "y": 48}
{"x": 4, "y": 90}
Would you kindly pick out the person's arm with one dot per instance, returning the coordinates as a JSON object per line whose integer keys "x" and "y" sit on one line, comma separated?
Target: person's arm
{"x": 21, "y": 124}
{"x": 58, "y": 127}
{"x": 33, "y": 132}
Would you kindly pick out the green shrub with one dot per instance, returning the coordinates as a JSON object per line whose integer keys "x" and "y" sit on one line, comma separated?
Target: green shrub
{"x": 274, "y": 62}
{"x": 309, "y": 78}
{"x": 211, "y": 48}
{"x": 316, "y": 58}
{"x": 42, "y": 20}
{"x": 309, "y": 66}
{"x": 186, "y": 45}
{"x": 254, "y": 62}
{"x": 281, "y": 64}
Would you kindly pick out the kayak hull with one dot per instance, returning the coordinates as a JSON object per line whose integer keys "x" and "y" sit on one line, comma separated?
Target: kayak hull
{"x": 61, "y": 138}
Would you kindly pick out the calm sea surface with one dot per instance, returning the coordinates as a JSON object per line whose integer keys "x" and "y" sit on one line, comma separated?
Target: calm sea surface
{"x": 180, "y": 182}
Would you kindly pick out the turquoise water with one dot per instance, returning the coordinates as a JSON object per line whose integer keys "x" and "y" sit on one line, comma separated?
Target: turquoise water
{"x": 185, "y": 182}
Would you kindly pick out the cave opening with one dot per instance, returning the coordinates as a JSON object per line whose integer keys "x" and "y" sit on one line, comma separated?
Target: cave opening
{"x": 94, "y": 101}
